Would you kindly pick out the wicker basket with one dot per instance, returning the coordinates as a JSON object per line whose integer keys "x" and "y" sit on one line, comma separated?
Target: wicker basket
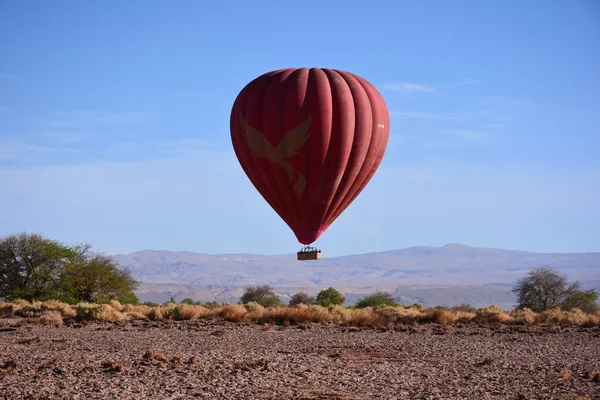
{"x": 309, "y": 255}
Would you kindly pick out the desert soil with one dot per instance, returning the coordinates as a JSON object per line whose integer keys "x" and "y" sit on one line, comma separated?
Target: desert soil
{"x": 221, "y": 360}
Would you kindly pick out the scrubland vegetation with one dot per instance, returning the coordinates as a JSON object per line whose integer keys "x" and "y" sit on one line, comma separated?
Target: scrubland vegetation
{"x": 58, "y": 313}
{"x": 46, "y": 282}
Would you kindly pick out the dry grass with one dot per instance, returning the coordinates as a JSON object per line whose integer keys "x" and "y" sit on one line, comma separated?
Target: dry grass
{"x": 51, "y": 318}
{"x": 55, "y": 313}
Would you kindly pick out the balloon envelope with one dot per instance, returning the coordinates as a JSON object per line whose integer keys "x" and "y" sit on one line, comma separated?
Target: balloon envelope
{"x": 309, "y": 140}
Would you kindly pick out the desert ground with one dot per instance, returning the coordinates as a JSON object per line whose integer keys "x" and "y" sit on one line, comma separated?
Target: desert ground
{"x": 217, "y": 359}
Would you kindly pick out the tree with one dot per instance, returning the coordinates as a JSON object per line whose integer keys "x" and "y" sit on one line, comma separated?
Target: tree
{"x": 543, "y": 288}
{"x": 586, "y": 301}
{"x": 263, "y": 295}
{"x": 30, "y": 266}
{"x": 329, "y": 297}
{"x": 379, "y": 299}
{"x": 33, "y": 267}
{"x": 301, "y": 298}
{"x": 96, "y": 278}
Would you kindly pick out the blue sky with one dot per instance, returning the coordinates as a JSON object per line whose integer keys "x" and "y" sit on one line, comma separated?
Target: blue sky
{"x": 114, "y": 121}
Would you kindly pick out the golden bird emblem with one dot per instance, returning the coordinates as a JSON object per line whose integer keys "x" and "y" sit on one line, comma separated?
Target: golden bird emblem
{"x": 288, "y": 146}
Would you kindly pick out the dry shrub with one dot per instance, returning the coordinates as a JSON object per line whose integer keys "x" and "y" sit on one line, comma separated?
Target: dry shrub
{"x": 554, "y": 316}
{"x": 593, "y": 320}
{"x": 186, "y": 311}
{"x": 207, "y": 312}
{"x": 580, "y": 318}
{"x": 155, "y": 314}
{"x": 372, "y": 317}
{"x": 107, "y": 313}
{"x": 168, "y": 310}
{"x": 66, "y": 310}
{"x": 299, "y": 314}
{"x": 254, "y": 307}
{"x": 20, "y": 303}
{"x": 315, "y": 314}
{"x": 97, "y": 312}
{"x": 165, "y": 311}
{"x": 278, "y": 316}
{"x": 505, "y": 318}
{"x": 362, "y": 317}
{"x": 303, "y": 314}
{"x": 340, "y": 314}
{"x": 135, "y": 316}
{"x": 233, "y": 312}
{"x": 6, "y": 309}
{"x": 465, "y": 307}
{"x": 575, "y": 317}
{"x": 116, "y": 304}
{"x": 10, "y": 309}
{"x": 439, "y": 316}
{"x": 525, "y": 315}
{"x": 87, "y": 311}
{"x": 140, "y": 309}
{"x": 51, "y": 318}
{"x": 464, "y": 316}
{"x": 30, "y": 310}
{"x": 409, "y": 315}
{"x": 389, "y": 315}
{"x": 492, "y": 314}
{"x": 493, "y": 309}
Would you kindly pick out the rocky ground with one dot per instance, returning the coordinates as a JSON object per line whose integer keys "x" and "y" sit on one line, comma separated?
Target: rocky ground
{"x": 221, "y": 360}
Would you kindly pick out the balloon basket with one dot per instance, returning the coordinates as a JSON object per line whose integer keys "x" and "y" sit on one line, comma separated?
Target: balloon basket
{"x": 309, "y": 253}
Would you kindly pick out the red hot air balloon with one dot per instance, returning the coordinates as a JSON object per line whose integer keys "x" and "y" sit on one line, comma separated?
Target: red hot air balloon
{"x": 309, "y": 140}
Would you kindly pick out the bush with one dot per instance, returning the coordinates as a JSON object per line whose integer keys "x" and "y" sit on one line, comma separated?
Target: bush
{"x": 301, "y": 298}
{"x": 379, "y": 299}
{"x": 585, "y": 301}
{"x": 330, "y": 297}
{"x": 262, "y": 295}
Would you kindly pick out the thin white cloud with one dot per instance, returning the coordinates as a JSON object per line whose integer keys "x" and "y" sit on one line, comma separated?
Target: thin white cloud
{"x": 407, "y": 87}
{"x": 458, "y": 115}
{"x": 451, "y": 138}
{"x": 78, "y": 119}
{"x": 27, "y": 152}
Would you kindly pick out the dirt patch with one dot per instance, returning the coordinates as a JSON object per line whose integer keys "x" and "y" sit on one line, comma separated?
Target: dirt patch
{"x": 221, "y": 360}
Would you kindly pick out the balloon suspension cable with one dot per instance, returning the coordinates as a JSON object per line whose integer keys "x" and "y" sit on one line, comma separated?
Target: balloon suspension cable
{"x": 309, "y": 249}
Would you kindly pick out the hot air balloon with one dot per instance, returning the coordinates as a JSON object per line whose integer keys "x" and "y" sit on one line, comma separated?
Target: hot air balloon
{"x": 309, "y": 140}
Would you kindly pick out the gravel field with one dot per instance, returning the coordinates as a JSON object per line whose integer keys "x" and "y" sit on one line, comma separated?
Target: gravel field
{"x": 221, "y": 360}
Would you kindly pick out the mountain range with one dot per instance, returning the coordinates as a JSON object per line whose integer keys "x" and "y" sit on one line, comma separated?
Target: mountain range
{"x": 446, "y": 275}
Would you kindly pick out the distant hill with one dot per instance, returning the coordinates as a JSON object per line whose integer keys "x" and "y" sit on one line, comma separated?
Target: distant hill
{"x": 450, "y": 274}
